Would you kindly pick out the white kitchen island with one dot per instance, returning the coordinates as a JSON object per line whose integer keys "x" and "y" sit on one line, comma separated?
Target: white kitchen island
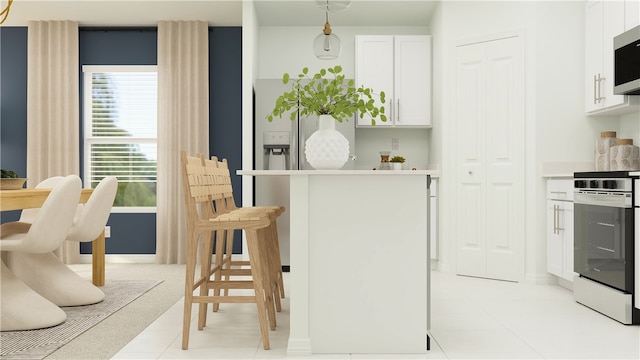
{"x": 359, "y": 279}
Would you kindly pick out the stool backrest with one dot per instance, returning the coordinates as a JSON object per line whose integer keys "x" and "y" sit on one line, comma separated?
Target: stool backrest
{"x": 197, "y": 187}
{"x": 223, "y": 201}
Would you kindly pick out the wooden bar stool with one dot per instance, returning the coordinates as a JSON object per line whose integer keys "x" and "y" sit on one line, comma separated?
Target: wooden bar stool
{"x": 201, "y": 185}
{"x": 228, "y": 203}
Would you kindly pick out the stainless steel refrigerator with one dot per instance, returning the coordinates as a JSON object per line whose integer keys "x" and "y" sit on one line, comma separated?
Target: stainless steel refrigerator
{"x": 279, "y": 145}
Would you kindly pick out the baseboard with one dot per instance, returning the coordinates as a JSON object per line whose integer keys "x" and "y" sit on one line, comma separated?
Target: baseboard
{"x": 540, "y": 279}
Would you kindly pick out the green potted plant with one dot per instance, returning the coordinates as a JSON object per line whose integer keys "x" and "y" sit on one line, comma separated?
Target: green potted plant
{"x": 397, "y": 162}
{"x": 10, "y": 180}
{"x": 332, "y": 98}
{"x": 327, "y": 92}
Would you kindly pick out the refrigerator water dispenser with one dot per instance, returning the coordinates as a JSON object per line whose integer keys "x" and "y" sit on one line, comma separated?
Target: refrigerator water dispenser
{"x": 276, "y": 146}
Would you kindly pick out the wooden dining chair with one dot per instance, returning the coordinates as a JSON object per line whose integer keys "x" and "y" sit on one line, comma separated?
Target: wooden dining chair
{"x": 202, "y": 186}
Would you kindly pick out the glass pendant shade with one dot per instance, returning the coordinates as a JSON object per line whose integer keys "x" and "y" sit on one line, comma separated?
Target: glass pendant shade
{"x": 333, "y": 5}
{"x": 327, "y": 46}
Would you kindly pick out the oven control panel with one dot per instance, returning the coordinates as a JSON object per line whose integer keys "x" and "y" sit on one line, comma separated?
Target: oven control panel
{"x": 622, "y": 185}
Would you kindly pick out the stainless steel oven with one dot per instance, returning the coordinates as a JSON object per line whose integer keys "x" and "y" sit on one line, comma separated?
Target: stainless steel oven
{"x": 604, "y": 243}
{"x": 603, "y": 231}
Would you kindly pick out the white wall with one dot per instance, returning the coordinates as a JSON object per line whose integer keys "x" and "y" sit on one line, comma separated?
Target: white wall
{"x": 630, "y": 127}
{"x": 288, "y": 48}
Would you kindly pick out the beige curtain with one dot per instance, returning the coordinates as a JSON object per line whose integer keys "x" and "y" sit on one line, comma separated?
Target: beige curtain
{"x": 183, "y": 124}
{"x": 53, "y": 120}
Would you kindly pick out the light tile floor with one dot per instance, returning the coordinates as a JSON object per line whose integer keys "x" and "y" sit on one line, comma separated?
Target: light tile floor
{"x": 471, "y": 319}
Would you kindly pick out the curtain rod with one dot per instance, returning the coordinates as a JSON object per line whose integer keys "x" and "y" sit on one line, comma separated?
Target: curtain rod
{"x": 133, "y": 28}
{"x": 118, "y": 28}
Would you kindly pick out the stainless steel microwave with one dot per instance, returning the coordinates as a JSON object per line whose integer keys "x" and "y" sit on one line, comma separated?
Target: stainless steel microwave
{"x": 626, "y": 47}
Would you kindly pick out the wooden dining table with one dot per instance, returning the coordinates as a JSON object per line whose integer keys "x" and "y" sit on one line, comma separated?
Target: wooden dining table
{"x": 34, "y": 198}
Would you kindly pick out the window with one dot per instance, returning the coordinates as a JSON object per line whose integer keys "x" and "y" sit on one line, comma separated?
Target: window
{"x": 120, "y": 132}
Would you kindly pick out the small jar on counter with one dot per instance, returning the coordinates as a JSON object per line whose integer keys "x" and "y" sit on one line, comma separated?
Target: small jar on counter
{"x": 624, "y": 156}
{"x": 603, "y": 145}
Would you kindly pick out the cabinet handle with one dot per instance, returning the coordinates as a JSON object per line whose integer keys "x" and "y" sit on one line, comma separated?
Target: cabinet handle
{"x": 595, "y": 89}
{"x": 559, "y": 228}
{"x": 391, "y": 109}
{"x": 599, "y": 88}
{"x": 398, "y": 110}
{"x": 555, "y": 219}
{"x": 558, "y": 192}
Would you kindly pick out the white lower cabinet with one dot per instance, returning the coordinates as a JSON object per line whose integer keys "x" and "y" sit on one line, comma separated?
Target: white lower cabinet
{"x": 560, "y": 228}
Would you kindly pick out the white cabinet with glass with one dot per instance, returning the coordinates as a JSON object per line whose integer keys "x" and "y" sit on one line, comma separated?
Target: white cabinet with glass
{"x": 605, "y": 20}
{"x": 560, "y": 228}
{"x": 401, "y": 67}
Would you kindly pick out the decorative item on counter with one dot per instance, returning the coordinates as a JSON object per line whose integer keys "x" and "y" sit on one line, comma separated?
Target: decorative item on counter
{"x": 397, "y": 162}
{"x": 624, "y": 156}
{"x": 606, "y": 141}
{"x": 327, "y": 148}
{"x": 329, "y": 93}
{"x": 384, "y": 160}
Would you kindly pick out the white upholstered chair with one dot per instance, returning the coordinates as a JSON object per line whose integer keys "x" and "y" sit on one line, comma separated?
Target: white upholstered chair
{"x": 47, "y": 275}
{"x": 22, "y": 308}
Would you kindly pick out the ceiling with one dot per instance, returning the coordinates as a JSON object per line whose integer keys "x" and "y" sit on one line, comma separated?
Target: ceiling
{"x": 219, "y": 12}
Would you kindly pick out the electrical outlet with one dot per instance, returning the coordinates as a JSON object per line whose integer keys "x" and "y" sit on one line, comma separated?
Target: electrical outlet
{"x": 395, "y": 144}
{"x": 107, "y": 231}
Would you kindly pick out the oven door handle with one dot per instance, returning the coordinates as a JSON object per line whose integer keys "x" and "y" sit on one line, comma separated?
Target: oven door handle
{"x": 610, "y": 200}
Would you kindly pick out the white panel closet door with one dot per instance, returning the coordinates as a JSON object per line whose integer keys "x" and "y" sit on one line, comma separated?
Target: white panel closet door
{"x": 471, "y": 112}
{"x": 490, "y": 118}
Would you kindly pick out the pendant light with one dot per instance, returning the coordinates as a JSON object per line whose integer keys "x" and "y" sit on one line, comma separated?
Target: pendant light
{"x": 335, "y": 5}
{"x": 327, "y": 45}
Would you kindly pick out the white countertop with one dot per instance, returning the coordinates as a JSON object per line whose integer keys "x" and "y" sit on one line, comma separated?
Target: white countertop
{"x": 433, "y": 173}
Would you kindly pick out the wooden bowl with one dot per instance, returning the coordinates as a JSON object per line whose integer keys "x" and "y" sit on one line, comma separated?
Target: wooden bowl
{"x": 12, "y": 183}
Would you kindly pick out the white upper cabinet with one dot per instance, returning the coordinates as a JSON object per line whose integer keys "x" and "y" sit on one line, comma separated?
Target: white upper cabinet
{"x": 604, "y": 20}
{"x": 401, "y": 67}
{"x": 631, "y": 14}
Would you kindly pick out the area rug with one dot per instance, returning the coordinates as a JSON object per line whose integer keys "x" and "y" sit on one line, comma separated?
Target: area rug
{"x": 37, "y": 344}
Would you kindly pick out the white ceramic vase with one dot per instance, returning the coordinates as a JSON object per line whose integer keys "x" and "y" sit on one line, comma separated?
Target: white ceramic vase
{"x": 327, "y": 148}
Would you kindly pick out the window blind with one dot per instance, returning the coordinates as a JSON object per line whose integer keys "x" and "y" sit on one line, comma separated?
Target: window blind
{"x": 121, "y": 131}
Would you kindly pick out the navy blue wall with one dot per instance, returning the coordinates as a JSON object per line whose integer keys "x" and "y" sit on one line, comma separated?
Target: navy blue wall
{"x": 13, "y": 99}
{"x": 130, "y": 233}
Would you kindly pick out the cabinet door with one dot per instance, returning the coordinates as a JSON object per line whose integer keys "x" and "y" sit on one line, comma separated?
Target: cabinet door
{"x": 412, "y": 71}
{"x": 631, "y": 14}
{"x": 433, "y": 221}
{"x": 374, "y": 69}
{"x": 593, "y": 54}
{"x": 637, "y": 255}
{"x": 567, "y": 240}
{"x": 613, "y": 25}
{"x": 554, "y": 239}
